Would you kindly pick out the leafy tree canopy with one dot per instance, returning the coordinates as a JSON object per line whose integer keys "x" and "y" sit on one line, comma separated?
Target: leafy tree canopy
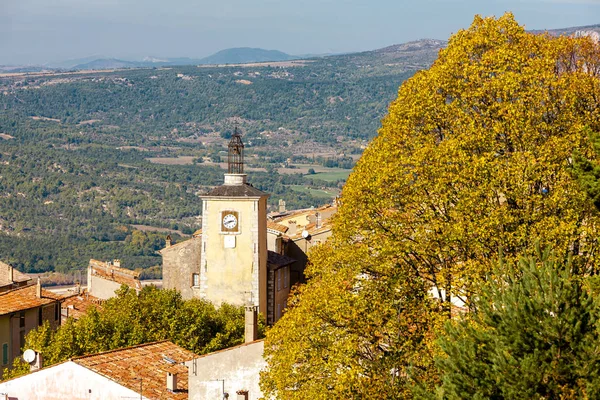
{"x": 474, "y": 155}
{"x": 130, "y": 319}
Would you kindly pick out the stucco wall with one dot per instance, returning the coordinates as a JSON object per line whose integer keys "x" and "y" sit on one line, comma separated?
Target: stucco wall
{"x": 4, "y": 338}
{"x": 65, "y": 381}
{"x": 179, "y": 263}
{"x": 232, "y": 369}
{"x": 102, "y": 288}
{"x": 235, "y": 275}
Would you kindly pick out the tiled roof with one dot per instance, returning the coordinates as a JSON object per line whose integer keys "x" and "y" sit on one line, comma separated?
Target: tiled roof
{"x": 18, "y": 277}
{"x": 277, "y": 227}
{"x": 146, "y": 364}
{"x": 116, "y": 274}
{"x": 244, "y": 190}
{"x": 312, "y": 230}
{"x": 77, "y": 305}
{"x": 275, "y": 260}
{"x": 24, "y": 298}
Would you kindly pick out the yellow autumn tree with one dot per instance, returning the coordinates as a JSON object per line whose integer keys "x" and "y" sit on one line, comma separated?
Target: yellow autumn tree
{"x": 475, "y": 155}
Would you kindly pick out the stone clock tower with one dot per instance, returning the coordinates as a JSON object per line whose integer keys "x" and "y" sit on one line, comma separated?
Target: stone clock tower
{"x": 233, "y": 262}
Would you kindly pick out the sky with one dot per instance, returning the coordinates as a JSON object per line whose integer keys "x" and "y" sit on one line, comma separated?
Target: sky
{"x": 42, "y": 31}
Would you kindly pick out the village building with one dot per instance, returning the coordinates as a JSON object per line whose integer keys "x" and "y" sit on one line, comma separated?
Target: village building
{"x": 11, "y": 278}
{"x": 76, "y": 305}
{"x": 148, "y": 371}
{"x": 242, "y": 256}
{"x": 232, "y": 373}
{"x": 104, "y": 278}
{"x": 21, "y": 310}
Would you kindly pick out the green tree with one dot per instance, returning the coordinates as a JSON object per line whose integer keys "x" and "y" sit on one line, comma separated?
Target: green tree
{"x": 474, "y": 155}
{"x": 532, "y": 334}
{"x": 130, "y": 319}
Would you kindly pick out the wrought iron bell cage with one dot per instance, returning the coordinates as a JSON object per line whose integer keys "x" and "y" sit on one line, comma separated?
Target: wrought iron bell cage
{"x": 235, "y": 158}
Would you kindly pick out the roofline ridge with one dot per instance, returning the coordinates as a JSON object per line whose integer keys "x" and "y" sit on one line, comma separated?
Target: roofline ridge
{"x": 119, "y": 349}
{"x": 18, "y": 288}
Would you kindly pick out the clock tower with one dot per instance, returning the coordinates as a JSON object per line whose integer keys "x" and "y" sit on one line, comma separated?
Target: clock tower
{"x": 234, "y": 238}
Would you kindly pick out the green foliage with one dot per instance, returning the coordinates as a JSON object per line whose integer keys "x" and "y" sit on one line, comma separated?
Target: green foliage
{"x": 19, "y": 367}
{"x": 532, "y": 334}
{"x": 130, "y": 319}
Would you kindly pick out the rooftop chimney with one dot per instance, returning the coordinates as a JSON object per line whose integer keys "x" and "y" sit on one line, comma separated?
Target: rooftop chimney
{"x": 251, "y": 325}
{"x": 117, "y": 263}
{"x": 292, "y": 228}
{"x": 38, "y": 289}
{"x": 318, "y": 220}
{"x": 172, "y": 381}
{"x": 281, "y": 205}
{"x": 37, "y": 364}
{"x": 77, "y": 288}
{"x": 10, "y": 274}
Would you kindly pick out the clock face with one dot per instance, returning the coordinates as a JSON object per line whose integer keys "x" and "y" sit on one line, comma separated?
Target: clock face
{"x": 230, "y": 221}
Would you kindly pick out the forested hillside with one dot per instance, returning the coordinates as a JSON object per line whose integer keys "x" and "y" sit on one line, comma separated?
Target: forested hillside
{"x": 85, "y": 156}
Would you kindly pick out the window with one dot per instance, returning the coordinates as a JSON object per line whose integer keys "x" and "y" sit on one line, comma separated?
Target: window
{"x": 40, "y": 319}
{"x": 195, "y": 279}
{"x": 5, "y": 354}
{"x": 22, "y": 319}
{"x": 285, "y": 276}
{"x": 278, "y": 279}
{"x": 278, "y": 314}
{"x": 56, "y": 311}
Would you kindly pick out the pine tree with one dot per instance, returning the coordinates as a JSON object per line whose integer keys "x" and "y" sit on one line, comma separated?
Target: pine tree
{"x": 533, "y": 335}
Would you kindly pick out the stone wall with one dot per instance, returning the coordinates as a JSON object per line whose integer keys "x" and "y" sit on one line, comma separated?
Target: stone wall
{"x": 180, "y": 262}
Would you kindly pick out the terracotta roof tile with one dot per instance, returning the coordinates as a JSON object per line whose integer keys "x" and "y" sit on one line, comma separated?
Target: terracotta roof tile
{"x": 277, "y": 227}
{"x": 113, "y": 273}
{"x": 77, "y": 305}
{"x": 24, "y": 298}
{"x": 18, "y": 277}
{"x": 149, "y": 362}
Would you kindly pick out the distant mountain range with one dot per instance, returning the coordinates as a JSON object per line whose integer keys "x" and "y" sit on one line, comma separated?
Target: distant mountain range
{"x": 239, "y": 55}
{"x": 244, "y": 55}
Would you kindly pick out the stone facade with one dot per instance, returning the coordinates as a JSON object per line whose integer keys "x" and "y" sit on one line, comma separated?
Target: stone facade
{"x": 180, "y": 262}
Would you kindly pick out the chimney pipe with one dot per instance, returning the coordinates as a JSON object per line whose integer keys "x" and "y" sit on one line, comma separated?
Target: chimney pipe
{"x": 172, "y": 381}
{"x": 78, "y": 288}
{"x": 251, "y": 325}
{"x": 10, "y": 274}
{"x": 38, "y": 363}
{"x": 281, "y": 205}
{"x": 38, "y": 288}
{"x": 292, "y": 228}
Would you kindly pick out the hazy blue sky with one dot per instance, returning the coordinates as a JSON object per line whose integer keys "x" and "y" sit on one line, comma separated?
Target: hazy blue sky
{"x": 38, "y": 31}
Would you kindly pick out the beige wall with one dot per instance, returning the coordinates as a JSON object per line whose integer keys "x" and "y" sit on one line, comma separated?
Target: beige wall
{"x": 180, "y": 261}
{"x": 10, "y": 329}
{"x": 102, "y": 288}
{"x": 230, "y": 370}
{"x": 5, "y": 338}
{"x": 235, "y": 275}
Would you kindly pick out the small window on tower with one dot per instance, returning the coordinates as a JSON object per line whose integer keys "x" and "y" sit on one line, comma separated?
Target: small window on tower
{"x": 195, "y": 279}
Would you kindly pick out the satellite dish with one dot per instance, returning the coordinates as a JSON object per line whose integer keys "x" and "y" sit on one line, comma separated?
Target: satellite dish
{"x": 305, "y": 234}
{"x": 29, "y": 356}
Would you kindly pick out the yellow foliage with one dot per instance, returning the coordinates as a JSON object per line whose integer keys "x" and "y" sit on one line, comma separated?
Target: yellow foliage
{"x": 474, "y": 156}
